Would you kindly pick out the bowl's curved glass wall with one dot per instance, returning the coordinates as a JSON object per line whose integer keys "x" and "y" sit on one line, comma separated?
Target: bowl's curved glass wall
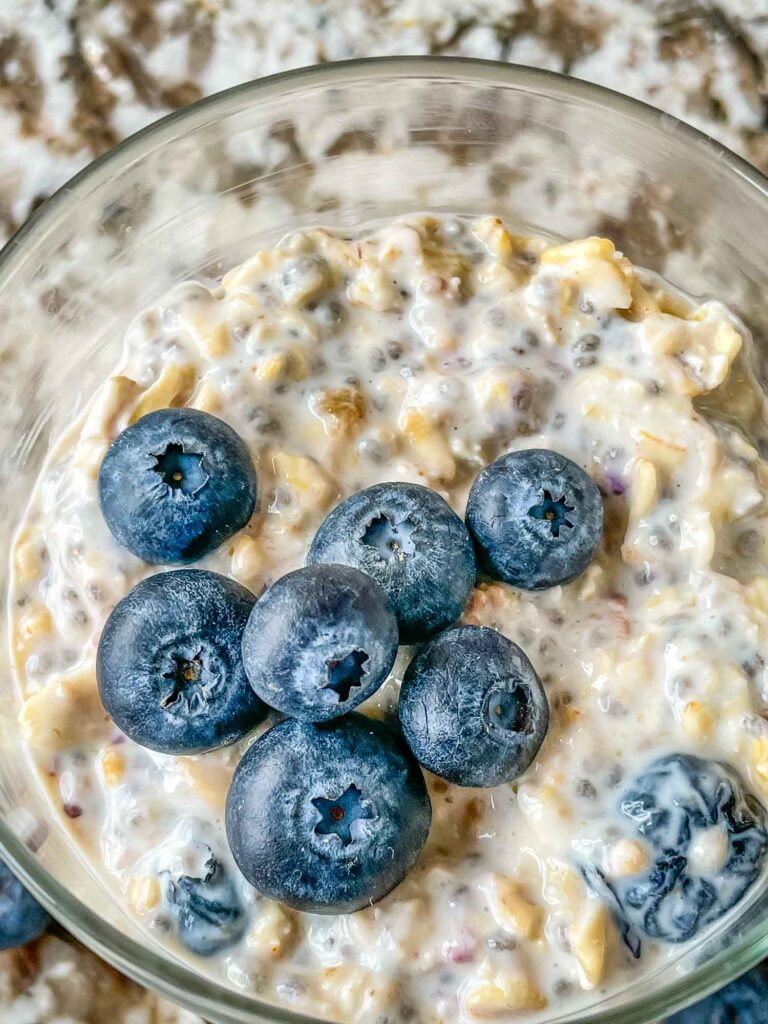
{"x": 339, "y": 146}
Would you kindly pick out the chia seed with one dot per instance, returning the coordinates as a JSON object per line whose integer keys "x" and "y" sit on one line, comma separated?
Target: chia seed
{"x": 748, "y": 543}
{"x": 614, "y": 776}
{"x": 507, "y": 943}
{"x": 378, "y": 360}
{"x": 584, "y": 362}
{"x": 587, "y": 343}
{"x": 547, "y": 647}
{"x": 494, "y": 317}
{"x": 585, "y": 789}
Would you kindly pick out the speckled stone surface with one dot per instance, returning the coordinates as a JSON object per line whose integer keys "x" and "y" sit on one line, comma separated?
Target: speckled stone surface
{"x": 76, "y": 76}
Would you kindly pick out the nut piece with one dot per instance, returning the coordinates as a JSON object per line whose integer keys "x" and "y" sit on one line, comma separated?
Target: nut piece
{"x": 275, "y": 932}
{"x": 589, "y": 937}
{"x": 207, "y": 398}
{"x": 66, "y": 712}
{"x": 760, "y": 762}
{"x": 428, "y": 445}
{"x": 698, "y": 721}
{"x": 502, "y": 994}
{"x": 247, "y": 560}
{"x": 34, "y": 625}
{"x": 543, "y": 807}
{"x": 591, "y": 582}
{"x": 304, "y": 279}
{"x": 111, "y": 402}
{"x": 344, "y": 407}
{"x": 112, "y": 766}
{"x": 592, "y": 248}
{"x": 487, "y": 601}
{"x": 354, "y": 993}
{"x": 644, "y": 489}
{"x": 626, "y": 857}
{"x": 310, "y": 487}
{"x": 143, "y": 894}
{"x": 210, "y": 335}
{"x": 26, "y": 557}
{"x": 172, "y": 388}
{"x": 593, "y": 264}
{"x": 512, "y": 909}
{"x": 756, "y": 594}
{"x": 210, "y": 775}
{"x": 272, "y": 367}
{"x": 373, "y": 288}
{"x": 495, "y": 236}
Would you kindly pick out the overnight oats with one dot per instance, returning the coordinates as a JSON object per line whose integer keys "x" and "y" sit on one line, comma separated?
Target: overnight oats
{"x": 389, "y": 628}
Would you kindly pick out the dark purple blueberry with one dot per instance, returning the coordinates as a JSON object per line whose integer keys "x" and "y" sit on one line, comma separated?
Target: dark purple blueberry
{"x": 22, "y": 919}
{"x": 536, "y": 518}
{"x": 327, "y": 817}
{"x": 170, "y": 665}
{"x": 673, "y": 799}
{"x": 472, "y": 708}
{"x": 205, "y": 905}
{"x": 744, "y": 1001}
{"x": 320, "y": 641}
{"x": 175, "y": 484}
{"x": 412, "y": 543}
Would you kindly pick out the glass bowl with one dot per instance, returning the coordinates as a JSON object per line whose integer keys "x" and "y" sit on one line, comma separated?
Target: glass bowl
{"x": 340, "y": 145}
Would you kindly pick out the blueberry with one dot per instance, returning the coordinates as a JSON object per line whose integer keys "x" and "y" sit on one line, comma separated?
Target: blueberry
{"x": 206, "y": 906}
{"x": 22, "y": 919}
{"x": 742, "y": 1002}
{"x": 319, "y": 642}
{"x": 675, "y": 798}
{"x": 412, "y": 543}
{"x": 170, "y": 666}
{"x": 175, "y": 484}
{"x": 327, "y": 818}
{"x": 536, "y": 518}
{"x": 472, "y": 708}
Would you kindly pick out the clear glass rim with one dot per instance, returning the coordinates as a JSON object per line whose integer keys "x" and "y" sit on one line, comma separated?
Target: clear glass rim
{"x": 171, "y": 978}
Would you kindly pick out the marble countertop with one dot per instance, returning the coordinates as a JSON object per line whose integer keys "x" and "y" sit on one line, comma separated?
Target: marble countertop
{"x": 76, "y": 76}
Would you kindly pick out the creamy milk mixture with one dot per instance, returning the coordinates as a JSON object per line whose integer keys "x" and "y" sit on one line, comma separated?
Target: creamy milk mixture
{"x": 421, "y": 351}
